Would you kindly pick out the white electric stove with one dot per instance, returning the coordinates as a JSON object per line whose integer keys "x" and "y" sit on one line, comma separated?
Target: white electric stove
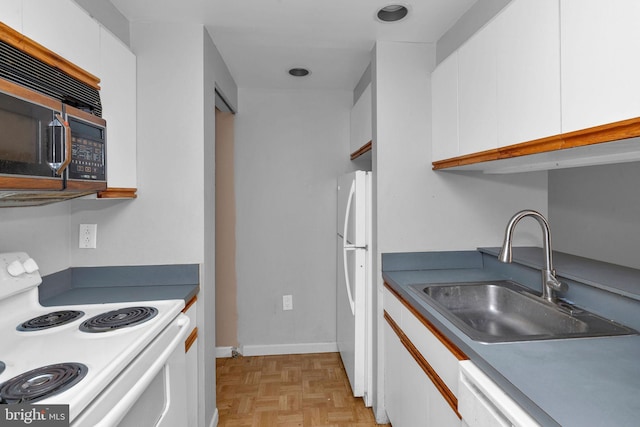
{"x": 115, "y": 364}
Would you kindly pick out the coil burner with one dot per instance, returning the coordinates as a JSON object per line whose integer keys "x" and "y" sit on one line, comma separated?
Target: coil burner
{"x": 112, "y": 320}
{"x": 41, "y": 383}
{"x": 50, "y": 320}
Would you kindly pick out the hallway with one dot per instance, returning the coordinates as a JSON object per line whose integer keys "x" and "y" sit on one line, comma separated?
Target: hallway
{"x": 288, "y": 390}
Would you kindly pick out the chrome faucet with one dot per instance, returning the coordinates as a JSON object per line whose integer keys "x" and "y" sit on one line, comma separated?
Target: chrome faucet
{"x": 550, "y": 284}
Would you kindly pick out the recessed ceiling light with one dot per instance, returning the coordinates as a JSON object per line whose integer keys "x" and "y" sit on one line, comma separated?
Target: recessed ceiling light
{"x": 299, "y": 72}
{"x": 392, "y": 13}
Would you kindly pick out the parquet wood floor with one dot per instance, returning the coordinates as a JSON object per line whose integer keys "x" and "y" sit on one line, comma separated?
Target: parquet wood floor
{"x": 289, "y": 390}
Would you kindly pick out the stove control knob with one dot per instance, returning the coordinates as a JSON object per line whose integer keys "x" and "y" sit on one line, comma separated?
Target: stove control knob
{"x": 30, "y": 266}
{"x": 15, "y": 268}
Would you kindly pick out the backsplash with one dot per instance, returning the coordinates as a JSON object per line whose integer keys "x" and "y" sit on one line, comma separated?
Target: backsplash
{"x": 595, "y": 212}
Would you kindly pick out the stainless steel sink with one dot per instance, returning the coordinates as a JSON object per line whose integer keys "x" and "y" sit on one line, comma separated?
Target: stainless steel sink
{"x": 504, "y": 311}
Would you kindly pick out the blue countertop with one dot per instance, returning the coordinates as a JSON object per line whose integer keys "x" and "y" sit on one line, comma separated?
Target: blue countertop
{"x": 569, "y": 382}
{"x": 98, "y": 285}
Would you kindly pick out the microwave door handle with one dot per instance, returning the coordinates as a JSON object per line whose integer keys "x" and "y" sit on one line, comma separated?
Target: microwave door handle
{"x": 67, "y": 145}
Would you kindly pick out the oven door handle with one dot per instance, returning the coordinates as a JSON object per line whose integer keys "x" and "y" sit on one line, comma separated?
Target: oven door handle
{"x": 67, "y": 145}
{"x": 120, "y": 409}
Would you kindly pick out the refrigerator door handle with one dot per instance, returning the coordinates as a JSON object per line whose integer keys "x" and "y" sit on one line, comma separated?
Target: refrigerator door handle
{"x": 347, "y": 247}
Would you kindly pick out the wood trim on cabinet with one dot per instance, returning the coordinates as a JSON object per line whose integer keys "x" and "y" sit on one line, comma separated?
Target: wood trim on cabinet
{"x": 41, "y": 53}
{"x": 79, "y": 185}
{"x": 118, "y": 193}
{"x": 17, "y": 182}
{"x": 193, "y": 336}
{"x": 360, "y": 151}
{"x": 446, "y": 393}
{"x": 459, "y": 354}
{"x": 28, "y": 183}
{"x": 190, "y": 303}
{"x": 16, "y": 90}
{"x": 596, "y": 135}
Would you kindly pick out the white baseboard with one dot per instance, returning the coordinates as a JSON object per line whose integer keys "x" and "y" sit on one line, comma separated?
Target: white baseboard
{"x": 269, "y": 350}
{"x": 214, "y": 420}
{"x": 224, "y": 352}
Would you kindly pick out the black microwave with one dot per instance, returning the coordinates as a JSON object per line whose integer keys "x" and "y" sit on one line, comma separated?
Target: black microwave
{"x": 42, "y": 137}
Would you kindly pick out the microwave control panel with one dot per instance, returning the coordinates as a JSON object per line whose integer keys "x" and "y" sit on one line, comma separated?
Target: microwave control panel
{"x": 87, "y": 150}
{"x": 87, "y": 159}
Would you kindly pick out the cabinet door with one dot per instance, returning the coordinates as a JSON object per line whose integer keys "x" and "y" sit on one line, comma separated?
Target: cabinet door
{"x": 600, "y": 62}
{"x": 477, "y": 97}
{"x": 528, "y": 67}
{"x": 11, "y": 14}
{"x": 118, "y": 95}
{"x": 192, "y": 369}
{"x": 361, "y": 129}
{"x": 65, "y": 28}
{"x": 406, "y": 385}
{"x": 444, "y": 109}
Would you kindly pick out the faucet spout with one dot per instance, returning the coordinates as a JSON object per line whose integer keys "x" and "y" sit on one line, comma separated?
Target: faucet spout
{"x": 550, "y": 283}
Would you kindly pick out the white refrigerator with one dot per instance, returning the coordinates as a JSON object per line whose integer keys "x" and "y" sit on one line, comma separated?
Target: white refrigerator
{"x": 354, "y": 289}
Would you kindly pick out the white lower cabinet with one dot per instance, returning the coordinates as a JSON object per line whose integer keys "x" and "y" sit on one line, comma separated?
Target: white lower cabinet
{"x": 407, "y": 387}
{"x": 415, "y": 393}
{"x": 483, "y": 404}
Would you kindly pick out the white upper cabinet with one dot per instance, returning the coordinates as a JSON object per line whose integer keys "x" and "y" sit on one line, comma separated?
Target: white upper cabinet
{"x": 528, "y": 71}
{"x": 65, "y": 28}
{"x": 118, "y": 95}
{"x": 502, "y": 86}
{"x": 361, "y": 128}
{"x": 477, "y": 94}
{"x": 444, "y": 100}
{"x": 600, "y": 62}
{"x": 545, "y": 73}
{"x": 11, "y": 14}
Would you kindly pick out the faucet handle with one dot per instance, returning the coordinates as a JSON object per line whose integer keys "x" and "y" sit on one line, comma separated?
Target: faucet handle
{"x": 555, "y": 284}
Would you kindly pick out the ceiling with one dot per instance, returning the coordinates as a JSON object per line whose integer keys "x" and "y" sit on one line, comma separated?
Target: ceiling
{"x": 261, "y": 39}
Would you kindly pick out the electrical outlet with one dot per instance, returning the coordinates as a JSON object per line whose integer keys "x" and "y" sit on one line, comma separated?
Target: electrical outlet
{"x": 287, "y": 302}
{"x": 88, "y": 236}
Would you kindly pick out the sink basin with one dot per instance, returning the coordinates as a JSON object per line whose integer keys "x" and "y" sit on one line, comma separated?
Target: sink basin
{"x": 504, "y": 311}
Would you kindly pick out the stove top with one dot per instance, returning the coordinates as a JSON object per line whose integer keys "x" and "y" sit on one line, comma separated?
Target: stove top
{"x": 96, "y": 358}
{"x": 40, "y": 383}
{"x": 50, "y": 320}
{"x": 116, "y": 319}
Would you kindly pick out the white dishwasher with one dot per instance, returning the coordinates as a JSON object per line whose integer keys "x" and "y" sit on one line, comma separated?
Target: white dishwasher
{"x": 483, "y": 404}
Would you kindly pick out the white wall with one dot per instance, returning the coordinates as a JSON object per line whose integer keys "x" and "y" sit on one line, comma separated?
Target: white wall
{"x": 290, "y": 148}
{"x": 164, "y": 225}
{"x": 417, "y": 209}
{"x": 594, "y": 212}
{"x": 41, "y": 231}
